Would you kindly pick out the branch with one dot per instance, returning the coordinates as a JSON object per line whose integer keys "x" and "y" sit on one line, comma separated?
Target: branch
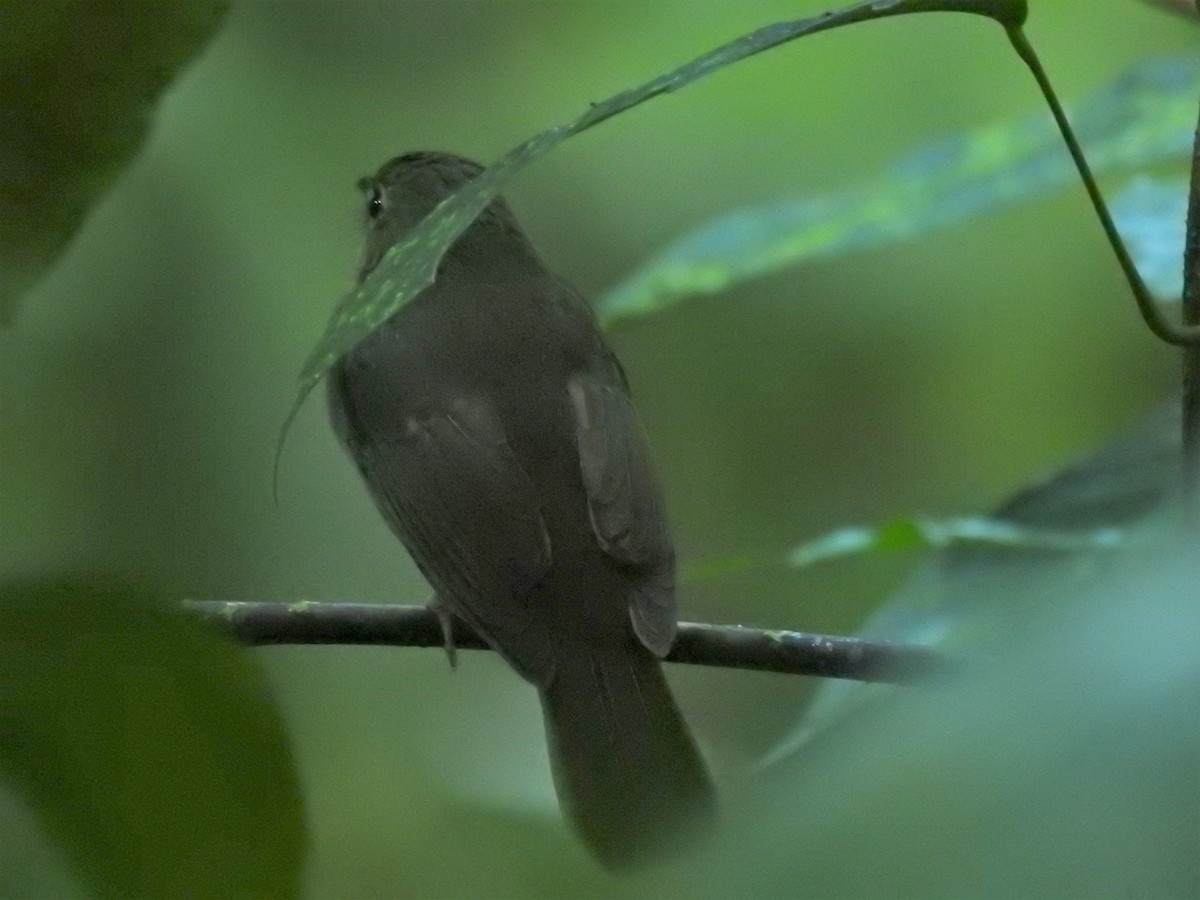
{"x": 723, "y": 646}
{"x": 1191, "y": 355}
{"x": 1186, "y": 335}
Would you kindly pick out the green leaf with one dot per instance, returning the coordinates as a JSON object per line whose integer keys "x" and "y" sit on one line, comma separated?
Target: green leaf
{"x": 1060, "y": 761}
{"x": 915, "y": 534}
{"x": 989, "y": 578}
{"x": 1150, "y": 213}
{"x": 410, "y": 266}
{"x": 1145, "y": 116}
{"x": 78, "y": 85}
{"x": 148, "y": 747}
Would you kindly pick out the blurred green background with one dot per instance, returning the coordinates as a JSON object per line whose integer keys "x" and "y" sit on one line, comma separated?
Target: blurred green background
{"x": 144, "y": 380}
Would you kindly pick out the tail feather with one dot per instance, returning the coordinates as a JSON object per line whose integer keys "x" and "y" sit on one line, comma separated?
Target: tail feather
{"x": 628, "y": 774}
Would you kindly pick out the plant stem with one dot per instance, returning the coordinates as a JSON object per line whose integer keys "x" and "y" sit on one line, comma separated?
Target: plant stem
{"x": 1191, "y": 354}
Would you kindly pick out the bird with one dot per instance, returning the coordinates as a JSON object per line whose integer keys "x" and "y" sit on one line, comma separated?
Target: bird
{"x": 496, "y": 433}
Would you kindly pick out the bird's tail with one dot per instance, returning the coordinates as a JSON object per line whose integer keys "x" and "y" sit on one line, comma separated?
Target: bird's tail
{"x": 628, "y": 774}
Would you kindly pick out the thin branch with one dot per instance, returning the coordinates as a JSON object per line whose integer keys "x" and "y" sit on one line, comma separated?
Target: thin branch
{"x": 1187, "y": 335}
{"x": 724, "y": 646}
{"x": 1191, "y": 354}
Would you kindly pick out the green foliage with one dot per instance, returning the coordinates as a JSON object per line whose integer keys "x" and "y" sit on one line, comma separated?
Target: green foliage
{"x": 149, "y": 749}
{"x": 1144, "y": 117}
{"x": 78, "y": 83}
{"x": 987, "y": 579}
{"x": 915, "y": 534}
{"x": 1061, "y": 764}
{"x": 1150, "y": 214}
{"x": 410, "y": 265}
{"x": 925, "y": 534}
{"x": 140, "y": 403}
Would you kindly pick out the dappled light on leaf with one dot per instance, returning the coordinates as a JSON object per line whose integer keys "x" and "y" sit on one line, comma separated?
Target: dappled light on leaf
{"x": 410, "y": 265}
{"x": 1149, "y": 213}
{"x": 1143, "y": 117}
{"x": 934, "y": 534}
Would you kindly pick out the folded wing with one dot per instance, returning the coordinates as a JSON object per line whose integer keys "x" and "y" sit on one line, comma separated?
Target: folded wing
{"x": 450, "y": 487}
{"x": 625, "y": 503}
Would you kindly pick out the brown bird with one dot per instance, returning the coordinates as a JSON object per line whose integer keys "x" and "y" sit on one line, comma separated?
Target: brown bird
{"x": 495, "y": 430}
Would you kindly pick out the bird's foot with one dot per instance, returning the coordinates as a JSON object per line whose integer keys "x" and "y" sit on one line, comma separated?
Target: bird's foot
{"x": 446, "y": 620}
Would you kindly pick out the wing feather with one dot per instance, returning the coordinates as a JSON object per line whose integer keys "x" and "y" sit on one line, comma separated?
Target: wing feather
{"x": 625, "y": 503}
{"x": 452, "y": 490}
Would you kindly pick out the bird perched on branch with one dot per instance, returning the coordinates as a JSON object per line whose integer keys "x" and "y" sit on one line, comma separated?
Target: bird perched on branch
{"x": 495, "y": 431}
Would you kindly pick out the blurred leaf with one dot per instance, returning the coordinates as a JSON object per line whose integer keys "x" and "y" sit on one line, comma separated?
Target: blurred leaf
{"x": 1150, "y": 214}
{"x": 148, "y": 747}
{"x": 410, "y": 265}
{"x": 916, "y": 534}
{"x": 1061, "y": 763}
{"x": 31, "y": 864}
{"x": 1145, "y": 116}
{"x": 78, "y": 84}
{"x": 1120, "y": 490}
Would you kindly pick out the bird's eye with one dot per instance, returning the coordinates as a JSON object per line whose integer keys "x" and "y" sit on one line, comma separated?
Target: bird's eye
{"x": 374, "y": 202}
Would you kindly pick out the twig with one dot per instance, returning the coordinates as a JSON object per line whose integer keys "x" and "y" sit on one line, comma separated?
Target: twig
{"x": 1187, "y": 335}
{"x": 725, "y": 646}
{"x": 1191, "y": 354}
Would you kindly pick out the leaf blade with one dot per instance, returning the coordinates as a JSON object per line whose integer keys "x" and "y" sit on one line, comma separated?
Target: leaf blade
{"x": 145, "y": 745}
{"x": 409, "y": 266}
{"x": 1143, "y": 117}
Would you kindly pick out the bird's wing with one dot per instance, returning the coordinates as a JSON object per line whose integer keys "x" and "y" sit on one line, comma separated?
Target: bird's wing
{"x": 625, "y": 503}
{"x": 450, "y": 487}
